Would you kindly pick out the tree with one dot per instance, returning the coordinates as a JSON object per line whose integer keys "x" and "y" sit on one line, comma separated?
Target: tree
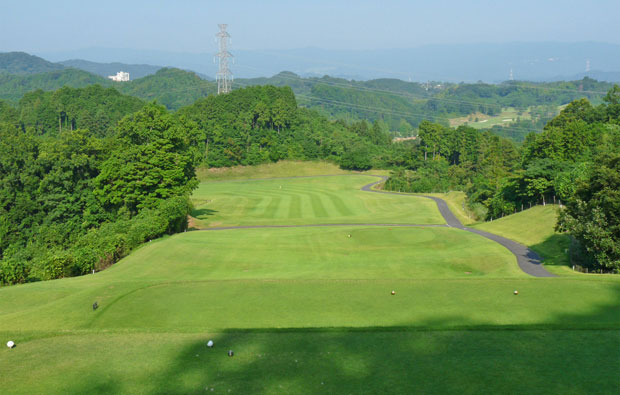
{"x": 154, "y": 160}
{"x": 592, "y": 216}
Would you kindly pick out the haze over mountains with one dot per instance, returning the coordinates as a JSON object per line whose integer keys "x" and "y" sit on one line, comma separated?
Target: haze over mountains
{"x": 550, "y": 61}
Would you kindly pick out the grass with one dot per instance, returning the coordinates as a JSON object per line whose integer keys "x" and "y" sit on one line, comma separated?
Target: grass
{"x": 309, "y": 310}
{"x": 506, "y": 117}
{"x": 535, "y": 228}
{"x": 283, "y": 168}
{"x": 318, "y": 200}
{"x": 324, "y": 362}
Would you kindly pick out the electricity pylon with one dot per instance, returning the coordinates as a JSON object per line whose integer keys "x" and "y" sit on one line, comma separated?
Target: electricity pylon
{"x": 224, "y": 76}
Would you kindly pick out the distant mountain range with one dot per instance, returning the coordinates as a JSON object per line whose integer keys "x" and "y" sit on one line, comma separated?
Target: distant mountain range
{"x": 22, "y": 63}
{"x": 488, "y": 62}
{"x": 106, "y": 69}
{"x": 396, "y": 102}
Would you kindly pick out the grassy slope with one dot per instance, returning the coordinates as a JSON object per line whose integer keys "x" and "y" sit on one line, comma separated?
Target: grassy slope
{"x": 346, "y": 333}
{"x": 283, "y": 168}
{"x": 316, "y": 200}
{"x": 535, "y": 228}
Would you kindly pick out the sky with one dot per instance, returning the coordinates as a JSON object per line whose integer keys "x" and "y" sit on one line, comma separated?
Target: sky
{"x": 190, "y": 25}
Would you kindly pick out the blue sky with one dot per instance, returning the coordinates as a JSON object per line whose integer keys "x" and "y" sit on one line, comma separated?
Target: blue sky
{"x": 189, "y": 25}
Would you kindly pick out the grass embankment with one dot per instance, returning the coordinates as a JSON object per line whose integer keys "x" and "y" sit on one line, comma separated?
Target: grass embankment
{"x": 309, "y": 310}
{"x": 535, "y": 228}
{"x": 284, "y": 168}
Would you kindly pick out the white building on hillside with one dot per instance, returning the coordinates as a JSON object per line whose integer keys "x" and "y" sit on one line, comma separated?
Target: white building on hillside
{"x": 121, "y": 76}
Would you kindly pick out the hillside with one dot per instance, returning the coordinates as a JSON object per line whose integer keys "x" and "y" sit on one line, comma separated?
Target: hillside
{"x": 23, "y": 63}
{"x": 14, "y": 86}
{"x": 173, "y": 88}
{"x": 106, "y": 69}
{"x": 535, "y": 228}
{"x": 403, "y": 105}
{"x": 398, "y": 104}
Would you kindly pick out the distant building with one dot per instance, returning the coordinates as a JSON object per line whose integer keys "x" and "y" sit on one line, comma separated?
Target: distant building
{"x": 121, "y": 76}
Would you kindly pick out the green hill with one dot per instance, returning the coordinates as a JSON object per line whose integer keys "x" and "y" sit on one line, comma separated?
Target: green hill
{"x": 173, "y": 88}
{"x": 14, "y": 86}
{"x": 23, "y": 63}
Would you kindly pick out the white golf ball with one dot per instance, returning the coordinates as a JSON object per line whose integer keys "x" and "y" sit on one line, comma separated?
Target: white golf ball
{"x": 10, "y": 344}
{"x": 210, "y": 343}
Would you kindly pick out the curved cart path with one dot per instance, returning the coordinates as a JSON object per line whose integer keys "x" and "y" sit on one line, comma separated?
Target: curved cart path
{"x": 529, "y": 261}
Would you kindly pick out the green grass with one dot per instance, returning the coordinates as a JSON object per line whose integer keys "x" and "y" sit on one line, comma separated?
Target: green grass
{"x": 309, "y": 310}
{"x": 317, "y": 200}
{"x": 283, "y": 168}
{"x": 533, "y": 362}
{"x": 506, "y": 117}
{"x": 535, "y": 228}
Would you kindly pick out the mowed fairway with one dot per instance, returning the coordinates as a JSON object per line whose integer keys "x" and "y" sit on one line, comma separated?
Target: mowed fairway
{"x": 312, "y": 200}
{"x": 310, "y": 310}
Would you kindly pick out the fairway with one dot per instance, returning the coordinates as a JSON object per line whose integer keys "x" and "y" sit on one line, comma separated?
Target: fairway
{"x": 309, "y": 309}
{"x": 311, "y": 200}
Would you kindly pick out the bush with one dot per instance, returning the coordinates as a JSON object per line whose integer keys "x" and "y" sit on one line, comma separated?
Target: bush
{"x": 13, "y": 271}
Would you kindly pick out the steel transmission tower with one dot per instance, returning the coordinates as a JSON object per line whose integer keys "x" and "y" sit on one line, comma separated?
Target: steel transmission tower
{"x": 224, "y": 76}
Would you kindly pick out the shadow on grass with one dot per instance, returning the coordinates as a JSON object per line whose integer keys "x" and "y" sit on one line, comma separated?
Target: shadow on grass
{"x": 554, "y": 250}
{"x": 201, "y": 213}
{"x": 398, "y": 362}
{"x": 384, "y": 360}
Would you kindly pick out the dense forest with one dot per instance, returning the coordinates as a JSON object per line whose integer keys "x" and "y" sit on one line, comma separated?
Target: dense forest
{"x": 73, "y": 201}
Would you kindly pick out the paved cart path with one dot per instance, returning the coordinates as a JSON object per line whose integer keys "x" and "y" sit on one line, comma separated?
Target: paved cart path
{"x": 529, "y": 261}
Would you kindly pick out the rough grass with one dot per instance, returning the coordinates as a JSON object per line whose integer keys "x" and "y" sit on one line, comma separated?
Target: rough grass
{"x": 309, "y": 310}
{"x": 315, "y": 200}
{"x": 284, "y": 168}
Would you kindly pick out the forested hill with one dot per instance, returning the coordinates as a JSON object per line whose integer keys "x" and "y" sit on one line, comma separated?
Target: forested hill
{"x": 13, "y": 86}
{"x": 171, "y": 87}
{"x": 94, "y": 108}
{"x": 395, "y": 101}
{"x": 23, "y": 63}
{"x": 520, "y": 107}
